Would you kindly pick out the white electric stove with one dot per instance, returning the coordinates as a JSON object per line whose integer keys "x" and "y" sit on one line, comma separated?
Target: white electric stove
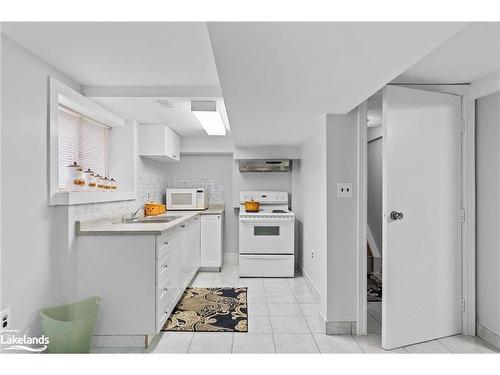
{"x": 266, "y": 238}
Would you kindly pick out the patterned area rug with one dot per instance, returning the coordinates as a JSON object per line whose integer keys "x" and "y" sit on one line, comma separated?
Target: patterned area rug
{"x": 210, "y": 310}
{"x": 374, "y": 289}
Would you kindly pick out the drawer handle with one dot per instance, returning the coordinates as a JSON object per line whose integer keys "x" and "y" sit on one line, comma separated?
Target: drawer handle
{"x": 165, "y": 290}
{"x": 164, "y": 316}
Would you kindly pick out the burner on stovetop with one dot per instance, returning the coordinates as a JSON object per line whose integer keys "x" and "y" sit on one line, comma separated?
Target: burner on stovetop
{"x": 279, "y": 212}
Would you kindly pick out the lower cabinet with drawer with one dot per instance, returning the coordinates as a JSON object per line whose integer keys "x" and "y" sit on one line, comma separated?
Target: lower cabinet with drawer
{"x": 140, "y": 278}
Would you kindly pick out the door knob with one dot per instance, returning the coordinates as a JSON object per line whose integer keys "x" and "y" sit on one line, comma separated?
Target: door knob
{"x": 396, "y": 215}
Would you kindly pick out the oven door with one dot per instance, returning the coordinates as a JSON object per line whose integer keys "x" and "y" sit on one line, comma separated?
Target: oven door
{"x": 266, "y": 235}
{"x": 181, "y": 199}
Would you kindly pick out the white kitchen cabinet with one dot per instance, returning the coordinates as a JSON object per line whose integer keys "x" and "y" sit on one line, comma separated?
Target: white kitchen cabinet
{"x": 140, "y": 278}
{"x": 159, "y": 142}
{"x": 211, "y": 241}
{"x": 190, "y": 255}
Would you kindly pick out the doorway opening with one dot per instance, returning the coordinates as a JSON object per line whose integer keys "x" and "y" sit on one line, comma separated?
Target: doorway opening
{"x": 374, "y": 213}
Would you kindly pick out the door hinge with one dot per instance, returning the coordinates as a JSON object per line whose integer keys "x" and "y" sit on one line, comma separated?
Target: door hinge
{"x": 462, "y": 215}
{"x": 462, "y": 126}
{"x": 462, "y": 304}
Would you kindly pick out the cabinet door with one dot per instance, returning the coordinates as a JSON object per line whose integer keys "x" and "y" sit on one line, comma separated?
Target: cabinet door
{"x": 171, "y": 144}
{"x": 196, "y": 243}
{"x": 184, "y": 269}
{"x": 152, "y": 140}
{"x": 211, "y": 241}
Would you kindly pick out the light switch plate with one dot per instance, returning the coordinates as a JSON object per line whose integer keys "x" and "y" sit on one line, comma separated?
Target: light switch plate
{"x": 344, "y": 190}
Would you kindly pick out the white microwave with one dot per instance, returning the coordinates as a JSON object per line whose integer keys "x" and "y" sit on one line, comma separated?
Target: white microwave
{"x": 187, "y": 199}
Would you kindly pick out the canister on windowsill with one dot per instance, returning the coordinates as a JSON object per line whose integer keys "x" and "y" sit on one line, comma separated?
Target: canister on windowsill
{"x": 75, "y": 180}
{"x": 99, "y": 181}
{"x": 105, "y": 183}
{"x": 113, "y": 185}
{"x": 89, "y": 178}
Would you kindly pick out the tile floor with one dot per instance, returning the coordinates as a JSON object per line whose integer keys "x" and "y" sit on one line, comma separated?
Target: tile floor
{"x": 284, "y": 318}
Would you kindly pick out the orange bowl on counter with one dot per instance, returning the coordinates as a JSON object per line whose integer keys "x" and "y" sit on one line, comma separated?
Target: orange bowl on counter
{"x": 151, "y": 209}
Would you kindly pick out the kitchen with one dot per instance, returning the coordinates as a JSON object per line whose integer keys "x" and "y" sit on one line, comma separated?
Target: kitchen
{"x": 186, "y": 186}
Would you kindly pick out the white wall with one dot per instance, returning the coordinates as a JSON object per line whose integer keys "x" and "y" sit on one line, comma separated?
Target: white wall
{"x": 30, "y": 230}
{"x": 216, "y": 173}
{"x": 1, "y": 304}
{"x": 488, "y": 211}
{"x": 204, "y": 145}
{"x": 267, "y": 181}
{"x": 341, "y": 166}
{"x": 309, "y": 182}
{"x": 38, "y": 252}
{"x": 374, "y": 186}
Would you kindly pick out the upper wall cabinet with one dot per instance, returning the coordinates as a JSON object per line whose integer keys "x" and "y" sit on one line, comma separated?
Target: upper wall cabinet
{"x": 159, "y": 142}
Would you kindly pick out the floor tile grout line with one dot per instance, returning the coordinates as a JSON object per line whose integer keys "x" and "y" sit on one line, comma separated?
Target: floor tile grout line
{"x": 444, "y": 346}
{"x": 362, "y": 349}
{"x": 190, "y": 342}
{"x": 357, "y": 343}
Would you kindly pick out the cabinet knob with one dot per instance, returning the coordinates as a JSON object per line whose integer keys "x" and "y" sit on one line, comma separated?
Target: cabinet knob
{"x": 183, "y": 225}
{"x": 166, "y": 243}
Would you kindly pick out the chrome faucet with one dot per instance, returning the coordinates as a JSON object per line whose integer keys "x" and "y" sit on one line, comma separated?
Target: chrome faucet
{"x": 134, "y": 214}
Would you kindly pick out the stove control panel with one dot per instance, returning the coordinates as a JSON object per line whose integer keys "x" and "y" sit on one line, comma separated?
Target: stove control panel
{"x": 264, "y": 197}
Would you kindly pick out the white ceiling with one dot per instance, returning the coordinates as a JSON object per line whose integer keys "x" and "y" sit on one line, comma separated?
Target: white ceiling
{"x": 122, "y": 54}
{"x": 469, "y": 55}
{"x": 147, "y": 110}
{"x": 280, "y": 79}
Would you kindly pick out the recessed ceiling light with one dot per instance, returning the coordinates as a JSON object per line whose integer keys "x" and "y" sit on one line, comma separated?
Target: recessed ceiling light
{"x": 207, "y": 115}
{"x": 164, "y": 103}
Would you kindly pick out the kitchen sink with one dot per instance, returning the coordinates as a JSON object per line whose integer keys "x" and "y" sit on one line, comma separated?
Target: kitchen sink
{"x": 156, "y": 220}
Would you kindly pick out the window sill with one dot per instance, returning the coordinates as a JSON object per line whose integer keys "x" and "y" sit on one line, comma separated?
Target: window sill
{"x": 71, "y": 198}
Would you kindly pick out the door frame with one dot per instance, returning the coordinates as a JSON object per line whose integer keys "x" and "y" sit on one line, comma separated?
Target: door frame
{"x": 468, "y": 238}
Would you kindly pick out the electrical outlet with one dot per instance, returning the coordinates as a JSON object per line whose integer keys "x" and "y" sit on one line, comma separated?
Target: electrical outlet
{"x": 344, "y": 190}
{"x": 5, "y": 319}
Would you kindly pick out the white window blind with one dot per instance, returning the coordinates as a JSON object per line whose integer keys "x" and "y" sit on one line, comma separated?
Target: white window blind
{"x": 83, "y": 140}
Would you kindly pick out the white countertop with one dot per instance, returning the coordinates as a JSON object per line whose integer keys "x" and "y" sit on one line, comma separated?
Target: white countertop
{"x": 213, "y": 209}
{"x": 114, "y": 226}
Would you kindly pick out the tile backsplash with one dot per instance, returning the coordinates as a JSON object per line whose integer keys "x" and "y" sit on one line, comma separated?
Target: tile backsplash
{"x": 215, "y": 186}
{"x": 153, "y": 184}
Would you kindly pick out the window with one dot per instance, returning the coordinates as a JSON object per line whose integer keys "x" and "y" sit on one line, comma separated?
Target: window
{"x": 83, "y": 140}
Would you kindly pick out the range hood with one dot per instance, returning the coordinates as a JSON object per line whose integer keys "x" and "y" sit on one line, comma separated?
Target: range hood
{"x": 265, "y": 165}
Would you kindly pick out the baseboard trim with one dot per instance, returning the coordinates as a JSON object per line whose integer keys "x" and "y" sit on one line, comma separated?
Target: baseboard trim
{"x": 488, "y": 335}
{"x": 340, "y": 327}
{"x": 309, "y": 281}
{"x": 210, "y": 269}
{"x": 121, "y": 341}
{"x": 231, "y": 258}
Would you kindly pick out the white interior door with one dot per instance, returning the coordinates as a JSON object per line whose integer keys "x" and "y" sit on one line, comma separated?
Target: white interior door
{"x": 422, "y": 181}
